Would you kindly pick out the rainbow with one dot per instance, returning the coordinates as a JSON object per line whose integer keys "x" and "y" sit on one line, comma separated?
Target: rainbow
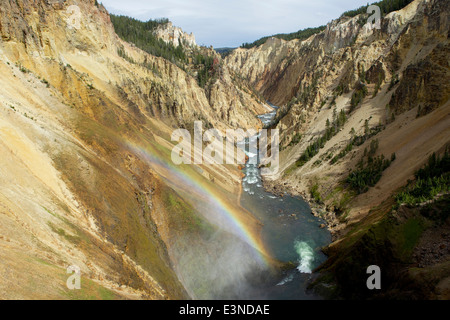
{"x": 198, "y": 185}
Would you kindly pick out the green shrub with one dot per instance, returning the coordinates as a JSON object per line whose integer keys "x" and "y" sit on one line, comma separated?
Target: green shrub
{"x": 331, "y": 130}
{"x": 301, "y": 35}
{"x": 386, "y": 7}
{"x": 358, "y": 96}
{"x": 141, "y": 34}
{"x": 366, "y": 176}
{"x": 315, "y": 194}
{"x": 431, "y": 180}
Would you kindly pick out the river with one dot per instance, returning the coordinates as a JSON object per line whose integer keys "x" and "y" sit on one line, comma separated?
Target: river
{"x": 290, "y": 233}
{"x": 226, "y": 264}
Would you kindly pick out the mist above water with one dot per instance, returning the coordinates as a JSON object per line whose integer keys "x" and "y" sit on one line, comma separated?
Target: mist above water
{"x": 225, "y": 266}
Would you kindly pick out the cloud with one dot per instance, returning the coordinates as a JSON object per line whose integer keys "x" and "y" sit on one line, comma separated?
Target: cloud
{"x": 230, "y": 23}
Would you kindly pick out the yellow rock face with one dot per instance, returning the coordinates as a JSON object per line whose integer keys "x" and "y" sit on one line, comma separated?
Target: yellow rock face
{"x": 75, "y": 187}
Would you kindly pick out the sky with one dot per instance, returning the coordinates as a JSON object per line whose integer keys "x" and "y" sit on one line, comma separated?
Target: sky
{"x": 229, "y": 23}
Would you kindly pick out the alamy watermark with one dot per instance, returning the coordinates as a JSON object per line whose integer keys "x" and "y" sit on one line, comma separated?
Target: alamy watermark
{"x": 236, "y": 147}
{"x": 374, "y": 21}
{"x": 74, "y": 19}
{"x": 74, "y": 281}
{"x": 214, "y": 152}
{"x": 374, "y": 281}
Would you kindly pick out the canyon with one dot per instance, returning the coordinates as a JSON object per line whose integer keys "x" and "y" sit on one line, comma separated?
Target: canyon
{"x": 402, "y": 74}
{"x": 87, "y": 177}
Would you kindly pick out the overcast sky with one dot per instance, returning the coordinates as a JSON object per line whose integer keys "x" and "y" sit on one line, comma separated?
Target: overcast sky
{"x": 229, "y": 23}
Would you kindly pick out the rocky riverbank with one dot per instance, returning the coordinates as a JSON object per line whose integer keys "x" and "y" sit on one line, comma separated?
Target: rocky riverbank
{"x": 317, "y": 209}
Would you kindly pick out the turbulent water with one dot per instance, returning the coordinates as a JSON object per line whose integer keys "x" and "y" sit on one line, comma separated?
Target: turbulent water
{"x": 290, "y": 233}
{"x": 306, "y": 256}
{"x": 226, "y": 266}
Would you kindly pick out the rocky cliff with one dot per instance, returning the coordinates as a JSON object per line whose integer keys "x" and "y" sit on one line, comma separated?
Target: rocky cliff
{"x": 85, "y": 124}
{"x": 400, "y": 70}
{"x": 347, "y": 96}
{"x": 175, "y": 35}
{"x": 85, "y": 128}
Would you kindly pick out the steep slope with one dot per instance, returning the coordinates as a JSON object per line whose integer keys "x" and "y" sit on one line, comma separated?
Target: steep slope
{"x": 351, "y": 97}
{"x": 84, "y": 132}
{"x": 352, "y": 68}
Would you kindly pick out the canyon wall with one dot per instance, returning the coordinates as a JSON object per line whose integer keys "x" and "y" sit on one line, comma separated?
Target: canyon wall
{"x": 349, "y": 95}
{"x": 84, "y": 132}
{"x": 404, "y": 69}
